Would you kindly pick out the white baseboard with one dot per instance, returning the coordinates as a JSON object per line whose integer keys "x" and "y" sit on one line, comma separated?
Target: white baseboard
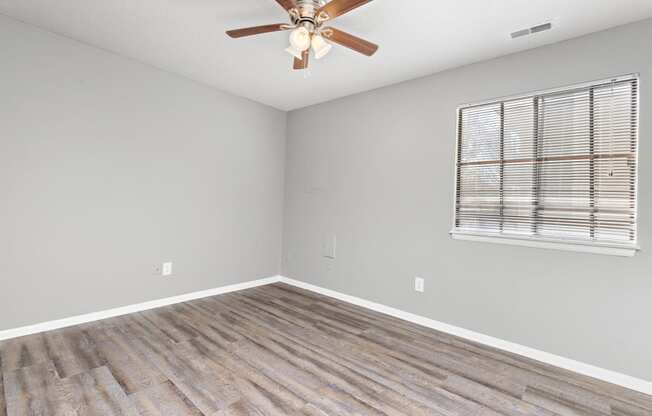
{"x": 613, "y": 377}
{"x": 125, "y": 310}
{"x": 555, "y": 360}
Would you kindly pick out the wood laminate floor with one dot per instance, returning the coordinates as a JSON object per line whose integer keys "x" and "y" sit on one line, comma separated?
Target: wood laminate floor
{"x": 279, "y": 350}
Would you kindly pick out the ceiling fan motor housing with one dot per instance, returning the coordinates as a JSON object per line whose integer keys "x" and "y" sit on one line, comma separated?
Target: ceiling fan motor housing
{"x": 305, "y": 14}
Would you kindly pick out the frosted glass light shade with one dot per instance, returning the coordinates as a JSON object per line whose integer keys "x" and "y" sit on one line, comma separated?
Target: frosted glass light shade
{"x": 300, "y": 39}
{"x": 297, "y": 54}
{"x": 320, "y": 46}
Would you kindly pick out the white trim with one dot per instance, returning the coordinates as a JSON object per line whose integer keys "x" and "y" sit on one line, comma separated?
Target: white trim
{"x": 638, "y": 157}
{"x": 548, "y": 244}
{"x": 613, "y": 377}
{"x": 125, "y": 310}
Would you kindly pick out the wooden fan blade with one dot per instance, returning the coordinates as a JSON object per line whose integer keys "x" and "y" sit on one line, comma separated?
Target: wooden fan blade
{"x": 257, "y": 30}
{"x": 349, "y": 41}
{"x": 287, "y": 4}
{"x": 302, "y": 63}
{"x": 337, "y": 8}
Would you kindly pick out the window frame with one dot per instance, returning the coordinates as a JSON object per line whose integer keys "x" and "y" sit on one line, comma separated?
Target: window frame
{"x": 585, "y": 246}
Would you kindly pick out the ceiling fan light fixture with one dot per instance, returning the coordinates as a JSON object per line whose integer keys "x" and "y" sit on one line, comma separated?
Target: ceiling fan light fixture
{"x": 300, "y": 39}
{"x": 320, "y": 46}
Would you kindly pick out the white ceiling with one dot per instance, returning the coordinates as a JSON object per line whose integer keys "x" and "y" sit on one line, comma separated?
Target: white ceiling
{"x": 416, "y": 38}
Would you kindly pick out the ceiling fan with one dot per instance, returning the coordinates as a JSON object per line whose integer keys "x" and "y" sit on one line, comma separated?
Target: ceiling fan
{"x": 307, "y": 19}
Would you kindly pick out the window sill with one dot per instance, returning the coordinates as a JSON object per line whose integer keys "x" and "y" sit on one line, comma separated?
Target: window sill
{"x": 609, "y": 250}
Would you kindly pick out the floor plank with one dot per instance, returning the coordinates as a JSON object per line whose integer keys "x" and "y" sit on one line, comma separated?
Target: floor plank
{"x": 3, "y": 405}
{"x": 281, "y": 350}
{"x": 164, "y": 400}
{"x": 37, "y": 390}
{"x": 96, "y": 392}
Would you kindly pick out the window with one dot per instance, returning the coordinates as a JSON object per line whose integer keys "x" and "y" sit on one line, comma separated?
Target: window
{"x": 556, "y": 169}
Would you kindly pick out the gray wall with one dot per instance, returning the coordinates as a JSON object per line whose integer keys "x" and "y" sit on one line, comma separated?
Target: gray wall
{"x": 109, "y": 167}
{"x": 376, "y": 169}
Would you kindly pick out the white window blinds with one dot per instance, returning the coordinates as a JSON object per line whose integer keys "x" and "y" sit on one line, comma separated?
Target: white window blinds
{"x": 558, "y": 166}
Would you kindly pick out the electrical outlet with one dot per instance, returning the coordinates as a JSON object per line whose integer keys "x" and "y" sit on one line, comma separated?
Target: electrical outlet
{"x": 166, "y": 269}
{"x": 419, "y": 284}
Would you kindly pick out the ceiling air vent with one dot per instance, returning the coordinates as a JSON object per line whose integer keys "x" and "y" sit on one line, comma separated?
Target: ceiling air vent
{"x": 532, "y": 30}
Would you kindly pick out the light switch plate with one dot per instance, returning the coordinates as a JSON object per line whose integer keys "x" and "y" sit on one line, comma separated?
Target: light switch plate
{"x": 419, "y": 284}
{"x": 166, "y": 270}
{"x": 330, "y": 247}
